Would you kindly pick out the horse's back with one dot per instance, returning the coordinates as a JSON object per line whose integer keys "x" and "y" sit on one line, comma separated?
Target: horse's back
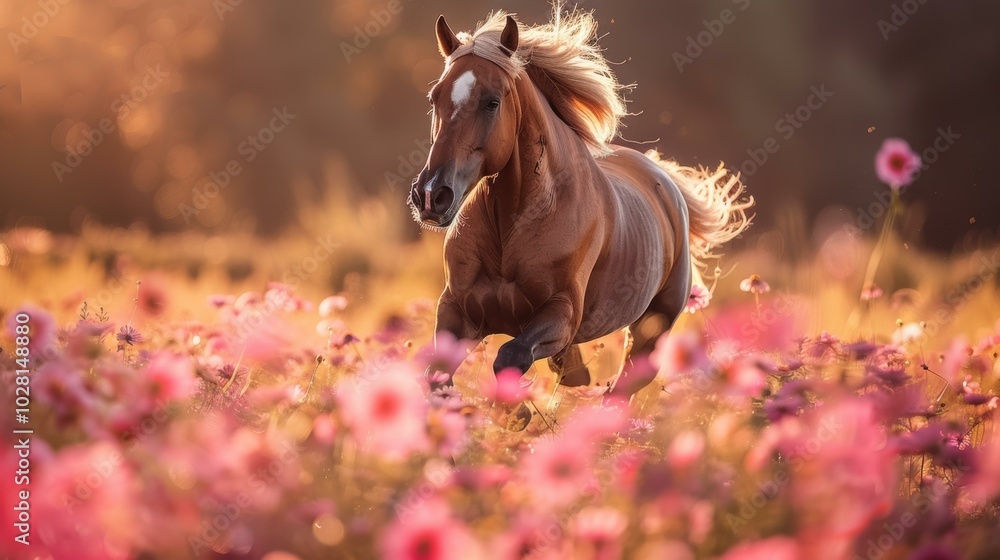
{"x": 646, "y": 263}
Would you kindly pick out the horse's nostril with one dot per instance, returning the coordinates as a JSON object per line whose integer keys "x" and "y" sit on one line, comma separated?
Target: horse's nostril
{"x": 443, "y": 198}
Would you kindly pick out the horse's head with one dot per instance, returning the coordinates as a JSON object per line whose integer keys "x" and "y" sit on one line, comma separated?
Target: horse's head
{"x": 474, "y": 119}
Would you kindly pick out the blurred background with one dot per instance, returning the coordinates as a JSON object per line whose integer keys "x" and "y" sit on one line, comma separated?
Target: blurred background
{"x": 235, "y": 116}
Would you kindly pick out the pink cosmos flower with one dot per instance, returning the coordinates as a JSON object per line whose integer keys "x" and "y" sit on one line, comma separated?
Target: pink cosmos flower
{"x": 152, "y": 297}
{"x": 935, "y": 551}
{"x": 128, "y": 335}
{"x": 821, "y": 350}
{"x": 754, "y": 284}
{"x": 846, "y": 474}
{"x": 774, "y": 548}
{"x": 745, "y": 375}
{"x": 84, "y": 504}
{"x": 428, "y": 532}
{"x": 871, "y": 292}
{"x": 557, "y": 473}
{"x": 700, "y": 520}
{"x": 685, "y": 449}
{"x": 265, "y": 338}
{"x": 324, "y": 430}
{"x": 331, "y": 328}
{"x": 281, "y": 297}
{"x": 387, "y": 411}
{"x": 896, "y": 164}
{"x": 699, "y": 298}
{"x": 770, "y": 327}
{"x": 170, "y": 376}
{"x": 42, "y": 328}
{"x": 445, "y": 354}
{"x": 987, "y": 342}
{"x": 956, "y": 358}
{"x": 984, "y": 483}
{"x": 247, "y": 300}
{"x": 482, "y": 477}
{"x": 331, "y": 305}
{"x": 598, "y": 532}
{"x": 680, "y": 353}
{"x": 591, "y": 424}
{"x": 532, "y": 535}
{"x": 10, "y": 488}
{"x": 61, "y": 387}
{"x": 510, "y": 387}
{"x": 219, "y": 301}
{"x": 450, "y": 431}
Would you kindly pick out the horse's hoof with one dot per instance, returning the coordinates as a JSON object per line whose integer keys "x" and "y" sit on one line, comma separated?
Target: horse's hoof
{"x": 518, "y": 420}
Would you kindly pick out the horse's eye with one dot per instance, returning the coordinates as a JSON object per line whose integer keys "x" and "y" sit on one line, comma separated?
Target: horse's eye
{"x": 493, "y": 105}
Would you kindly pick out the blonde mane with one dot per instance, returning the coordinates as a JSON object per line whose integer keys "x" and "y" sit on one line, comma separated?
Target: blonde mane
{"x": 562, "y": 58}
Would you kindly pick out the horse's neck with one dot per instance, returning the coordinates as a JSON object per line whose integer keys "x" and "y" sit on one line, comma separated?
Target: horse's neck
{"x": 526, "y": 189}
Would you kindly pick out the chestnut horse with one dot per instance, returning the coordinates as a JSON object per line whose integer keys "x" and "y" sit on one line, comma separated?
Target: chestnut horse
{"x": 554, "y": 236}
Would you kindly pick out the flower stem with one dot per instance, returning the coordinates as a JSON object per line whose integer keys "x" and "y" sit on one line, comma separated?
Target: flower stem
{"x": 877, "y": 253}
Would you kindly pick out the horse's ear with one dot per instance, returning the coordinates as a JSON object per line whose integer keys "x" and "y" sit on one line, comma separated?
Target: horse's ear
{"x": 447, "y": 40}
{"x": 508, "y": 38}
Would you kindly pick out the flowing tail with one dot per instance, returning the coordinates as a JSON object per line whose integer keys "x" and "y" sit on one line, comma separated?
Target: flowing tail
{"x": 715, "y": 211}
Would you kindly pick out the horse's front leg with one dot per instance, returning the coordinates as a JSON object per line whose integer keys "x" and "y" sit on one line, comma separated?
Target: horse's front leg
{"x": 451, "y": 319}
{"x": 549, "y": 331}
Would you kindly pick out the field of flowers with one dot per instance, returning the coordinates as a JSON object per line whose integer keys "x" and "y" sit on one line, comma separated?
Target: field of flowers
{"x": 210, "y": 397}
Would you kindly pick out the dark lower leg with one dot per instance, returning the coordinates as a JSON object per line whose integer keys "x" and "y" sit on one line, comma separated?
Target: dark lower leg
{"x": 570, "y": 367}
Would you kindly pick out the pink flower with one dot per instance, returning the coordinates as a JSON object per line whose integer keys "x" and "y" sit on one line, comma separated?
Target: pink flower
{"x": 871, "y": 292}
{"x": 247, "y": 300}
{"x": 556, "y": 472}
{"x": 128, "y": 335}
{"x": 700, "y": 520}
{"x": 85, "y": 503}
{"x": 745, "y": 375}
{"x": 896, "y": 164}
{"x": 510, "y": 388}
{"x": 680, "y": 353}
{"x": 685, "y": 449}
{"x": 170, "y": 376}
{"x": 324, "y": 430}
{"x": 598, "y": 532}
{"x": 449, "y": 429}
{"x": 331, "y": 305}
{"x": 774, "y": 548}
{"x": 984, "y": 483}
{"x": 152, "y": 297}
{"x": 331, "y": 328}
{"x": 935, "y": 551}
{"x": 956, "y": 358}
{"x": 281, "y": 297}
{"x": 699, "y": 298}
{"x": 42, "y": 328}
{"x": 846, "y": 473}
{"x": 591, "y": 424}
{"x": 445, "y": 354}
{"x": 387, "y": 411}
{"x": 10, "y": 488}
{"x": 772, "y": 326}
{"x": 60, "y": 386}
{"x": 427, "y": 531}
{"x": 530, "y": 536}
{"x": 754, "y": 284}
{"x": 219, "y": 301}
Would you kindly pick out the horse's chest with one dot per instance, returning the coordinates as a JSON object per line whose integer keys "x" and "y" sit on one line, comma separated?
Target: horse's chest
{"x": 496, "y": 304}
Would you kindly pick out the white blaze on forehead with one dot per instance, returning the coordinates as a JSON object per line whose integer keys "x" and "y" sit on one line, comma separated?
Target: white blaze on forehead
{"x": 461, "y": 89}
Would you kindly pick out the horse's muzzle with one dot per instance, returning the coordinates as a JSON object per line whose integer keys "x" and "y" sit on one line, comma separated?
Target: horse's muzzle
{"x": 433, "y": 203}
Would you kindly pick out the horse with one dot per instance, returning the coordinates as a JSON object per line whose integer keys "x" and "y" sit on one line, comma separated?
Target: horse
{"x": 554, "y": 235}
